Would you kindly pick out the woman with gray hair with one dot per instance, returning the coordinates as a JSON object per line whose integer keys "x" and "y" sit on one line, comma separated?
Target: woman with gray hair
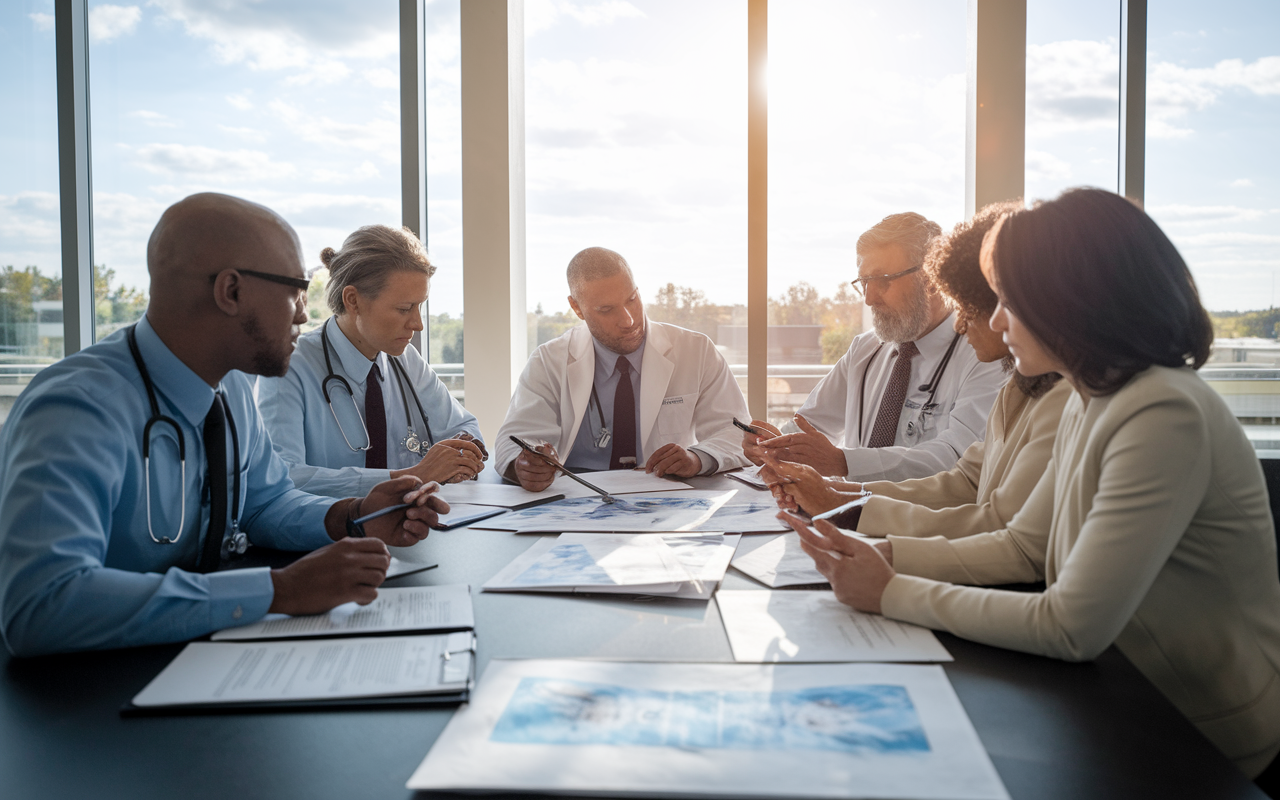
{"x": 359, "y": 404}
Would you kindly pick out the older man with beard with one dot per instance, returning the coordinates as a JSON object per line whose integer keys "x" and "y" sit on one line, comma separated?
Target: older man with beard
{"x": 910, "y": 395}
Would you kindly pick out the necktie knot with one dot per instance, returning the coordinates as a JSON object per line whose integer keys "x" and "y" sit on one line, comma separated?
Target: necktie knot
{"x": 375, "y": 374}
{"x": 623, "y": 366}
{"x": 908, "y": 350}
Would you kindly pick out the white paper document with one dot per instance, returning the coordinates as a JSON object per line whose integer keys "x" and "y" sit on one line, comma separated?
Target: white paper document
{"x": 313, "y": 669}
{"x": 686, "y": 565}
{"x": 750, "y": 476}
{"x": 746, "y": 512}
{"x": 778, "y": 561}
{"x": 639, "y": 513}
{"x": 723, "y": 730}
{"x": 617, "y": 481}
{"x": 814, "y": 627}
{"x": 412, "y": 608}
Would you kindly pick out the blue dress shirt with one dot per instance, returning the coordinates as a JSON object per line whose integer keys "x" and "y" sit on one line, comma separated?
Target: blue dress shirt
{"x": 585, "y": 456}
{"x": 78, "y": 569}
{"x": 307, "y": 436}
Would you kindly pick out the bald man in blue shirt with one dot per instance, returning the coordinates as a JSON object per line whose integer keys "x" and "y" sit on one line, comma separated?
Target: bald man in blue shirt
{"x": 102, "y": 548}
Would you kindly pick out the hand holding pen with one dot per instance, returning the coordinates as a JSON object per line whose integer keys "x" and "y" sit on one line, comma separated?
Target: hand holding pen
{"x": 400, "y": 511}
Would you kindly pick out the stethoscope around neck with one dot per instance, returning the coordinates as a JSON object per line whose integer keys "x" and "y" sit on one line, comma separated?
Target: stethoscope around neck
{"x": 411, "y": 442}
{"x": 931, "y": 387}
{"x": 233, "y": 542}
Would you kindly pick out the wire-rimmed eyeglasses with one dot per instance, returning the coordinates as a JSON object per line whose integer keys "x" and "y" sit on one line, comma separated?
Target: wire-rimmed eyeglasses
{"x": 860, "y": 285}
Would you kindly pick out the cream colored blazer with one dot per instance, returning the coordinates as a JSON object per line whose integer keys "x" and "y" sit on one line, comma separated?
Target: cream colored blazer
{"x": 1152, "y": 530}
{"x": 987, "y": 486}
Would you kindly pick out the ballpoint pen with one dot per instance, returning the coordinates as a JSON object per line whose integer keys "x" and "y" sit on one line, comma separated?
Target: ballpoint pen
{"x": 528, "y": 448}
{"x": 747, "y": 428}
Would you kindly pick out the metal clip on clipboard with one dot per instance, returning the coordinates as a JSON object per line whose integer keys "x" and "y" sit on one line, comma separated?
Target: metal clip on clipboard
{"x": 457, "y": 662}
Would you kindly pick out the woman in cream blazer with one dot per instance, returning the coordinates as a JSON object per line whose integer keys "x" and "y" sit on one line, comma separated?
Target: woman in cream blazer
{"x": 995, "y": 475}
{"x": 1151, "y": 526}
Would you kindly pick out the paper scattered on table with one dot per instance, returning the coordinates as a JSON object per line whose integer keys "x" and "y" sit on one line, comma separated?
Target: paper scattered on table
{"x": 815, "y": 626}
{"x": 746, "y": 513}
{"x": 630, "y": 514}
{"x": 617, "y": 481}
{"x": 318, "y": 669}
{"x": 777, "y": 561}
{"x": 750, "y": 476}
{"x": 686, "y": 565}
{"x": 724, "y": 730}
{"x": 412, "y": 608}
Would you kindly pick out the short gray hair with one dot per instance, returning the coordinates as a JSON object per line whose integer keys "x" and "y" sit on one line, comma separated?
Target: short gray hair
{"x": 367, "y": 259}
{"x": 908, "y": 230}
{"x": 593, "y": 264}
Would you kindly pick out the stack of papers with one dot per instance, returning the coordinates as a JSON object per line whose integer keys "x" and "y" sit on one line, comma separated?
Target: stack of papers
{"x": 765, "y": 627}
{"x": 618, "y": 481}
{"x": 636, "y": 513}
{"x": 685, "y": 565}
{"x": 600, "y": 728}
{"x": 746, "y": 512}
{"x": 336, "y": 670}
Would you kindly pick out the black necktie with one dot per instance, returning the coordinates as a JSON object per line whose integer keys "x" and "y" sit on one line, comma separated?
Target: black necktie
{"x": 624, "y": 420}
{"x": 885, "y": 431}
{"x": 215, "y": 451}
{"x": 375, "y": 419}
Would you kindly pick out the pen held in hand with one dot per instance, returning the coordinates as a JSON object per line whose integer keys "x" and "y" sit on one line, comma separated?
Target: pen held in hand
{"x": 749, "y": 429}
{"x": 604, "y": 496}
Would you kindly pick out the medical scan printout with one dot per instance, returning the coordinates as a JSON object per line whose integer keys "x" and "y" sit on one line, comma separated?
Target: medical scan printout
{"x": 594, "y": 561}
{"x": 312, "y": 669}
{"x": 778, "y": 561}
{"x": 746, "y": 512}
{"x": 633, "y": 513}
{"x": 413, "y": 608}
{"x": 722, "y": 730}
{"x": 816, "y": 627}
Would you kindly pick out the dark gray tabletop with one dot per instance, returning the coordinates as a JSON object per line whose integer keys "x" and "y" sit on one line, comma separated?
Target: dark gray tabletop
{"x": 1053, "y": 729}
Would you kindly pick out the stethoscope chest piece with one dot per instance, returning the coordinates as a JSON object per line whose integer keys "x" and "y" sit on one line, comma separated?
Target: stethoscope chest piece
{"x": 412, "y": 443}
{"x": 236, "y": 543}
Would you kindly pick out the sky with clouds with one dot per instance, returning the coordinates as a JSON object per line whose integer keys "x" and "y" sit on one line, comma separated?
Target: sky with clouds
{"x": 635, "y": 120}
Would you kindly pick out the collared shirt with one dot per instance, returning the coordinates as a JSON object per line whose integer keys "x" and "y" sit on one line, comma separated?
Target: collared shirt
{"x": 585, "y": 455}
{"x": 78, "y": 569}
{"x": 931, "y": 435}
{"x": 307, "y": 434}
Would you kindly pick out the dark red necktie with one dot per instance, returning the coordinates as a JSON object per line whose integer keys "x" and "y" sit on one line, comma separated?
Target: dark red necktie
{"x": 624, "y": 420}
{"x": 375, "y": 419}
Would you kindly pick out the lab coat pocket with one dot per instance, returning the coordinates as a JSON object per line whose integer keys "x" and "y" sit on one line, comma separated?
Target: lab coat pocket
{"x": 675, "y": 417}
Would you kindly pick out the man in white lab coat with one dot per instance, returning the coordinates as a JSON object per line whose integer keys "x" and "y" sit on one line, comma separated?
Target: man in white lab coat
{"x": 622, "y": 391}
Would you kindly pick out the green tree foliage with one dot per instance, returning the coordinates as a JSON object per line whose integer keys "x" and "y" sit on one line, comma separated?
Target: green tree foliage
{"x": 1263, "y": 324}
{"x": 688, "y": 308}
{"x": 114, "y": 306}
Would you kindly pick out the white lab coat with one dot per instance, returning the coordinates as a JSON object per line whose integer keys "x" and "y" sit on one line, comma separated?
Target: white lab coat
{"x": 687, "y": 396}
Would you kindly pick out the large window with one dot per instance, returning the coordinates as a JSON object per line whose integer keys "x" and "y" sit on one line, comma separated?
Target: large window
{"x": 1073, "y": 95}
{"x": 30, "y": 246}
{"x": 866, "y": 119}
{"x": 636, "y": 141}
{"x": 298, "y": 111}
{"x": 1213, "y": 184}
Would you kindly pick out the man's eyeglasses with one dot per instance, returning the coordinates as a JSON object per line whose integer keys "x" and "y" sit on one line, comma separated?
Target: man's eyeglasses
{"x": 301, "y": 284}
{"x": 860, "y": 285}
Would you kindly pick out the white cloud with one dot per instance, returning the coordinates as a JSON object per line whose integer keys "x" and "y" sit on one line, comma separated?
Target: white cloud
{"x": 371, "y": 135}
{"x": 541, "y": 15}
{"x": 289, "y": 34}
{"x": 248, "y": 134}
{"x": 1042, "y": 166}
{"x": 365, "y": 171}
{"x": 43, "y": 22}
{"x": 382, "y": 78}
{"x": 1241, "y": 183}
{"x": 29, "y": 223}
{"x": 1072, "y": 86}
{"x": 217, "y": 167}
{"x": 153, "y": 119}
{"x": 111, "y": 22}
{"x": 240, "y": 101}
{"x": 1188, "y": 214}
{"x": 1173, "y": 91}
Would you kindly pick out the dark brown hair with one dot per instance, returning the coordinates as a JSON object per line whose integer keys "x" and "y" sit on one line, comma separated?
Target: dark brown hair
{"x": 1101, "y": 286}
{"x": 952, "y": 265}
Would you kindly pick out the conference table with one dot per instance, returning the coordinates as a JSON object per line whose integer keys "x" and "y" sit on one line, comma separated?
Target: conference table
{"x": 1052, "y": 729}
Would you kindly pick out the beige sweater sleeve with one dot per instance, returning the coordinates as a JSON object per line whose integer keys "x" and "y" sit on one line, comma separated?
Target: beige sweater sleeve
{"x": 1151, "y": 480}
{"x": 949, "y": 504}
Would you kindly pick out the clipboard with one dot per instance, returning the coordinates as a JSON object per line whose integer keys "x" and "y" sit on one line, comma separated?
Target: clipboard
{"x": 453, "y": 670}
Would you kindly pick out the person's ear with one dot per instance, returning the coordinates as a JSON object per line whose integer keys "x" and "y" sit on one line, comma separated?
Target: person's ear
{"x": 350, "y": 299}
{"x": 226, "y": 292}
{"x": 574, "y": 305}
